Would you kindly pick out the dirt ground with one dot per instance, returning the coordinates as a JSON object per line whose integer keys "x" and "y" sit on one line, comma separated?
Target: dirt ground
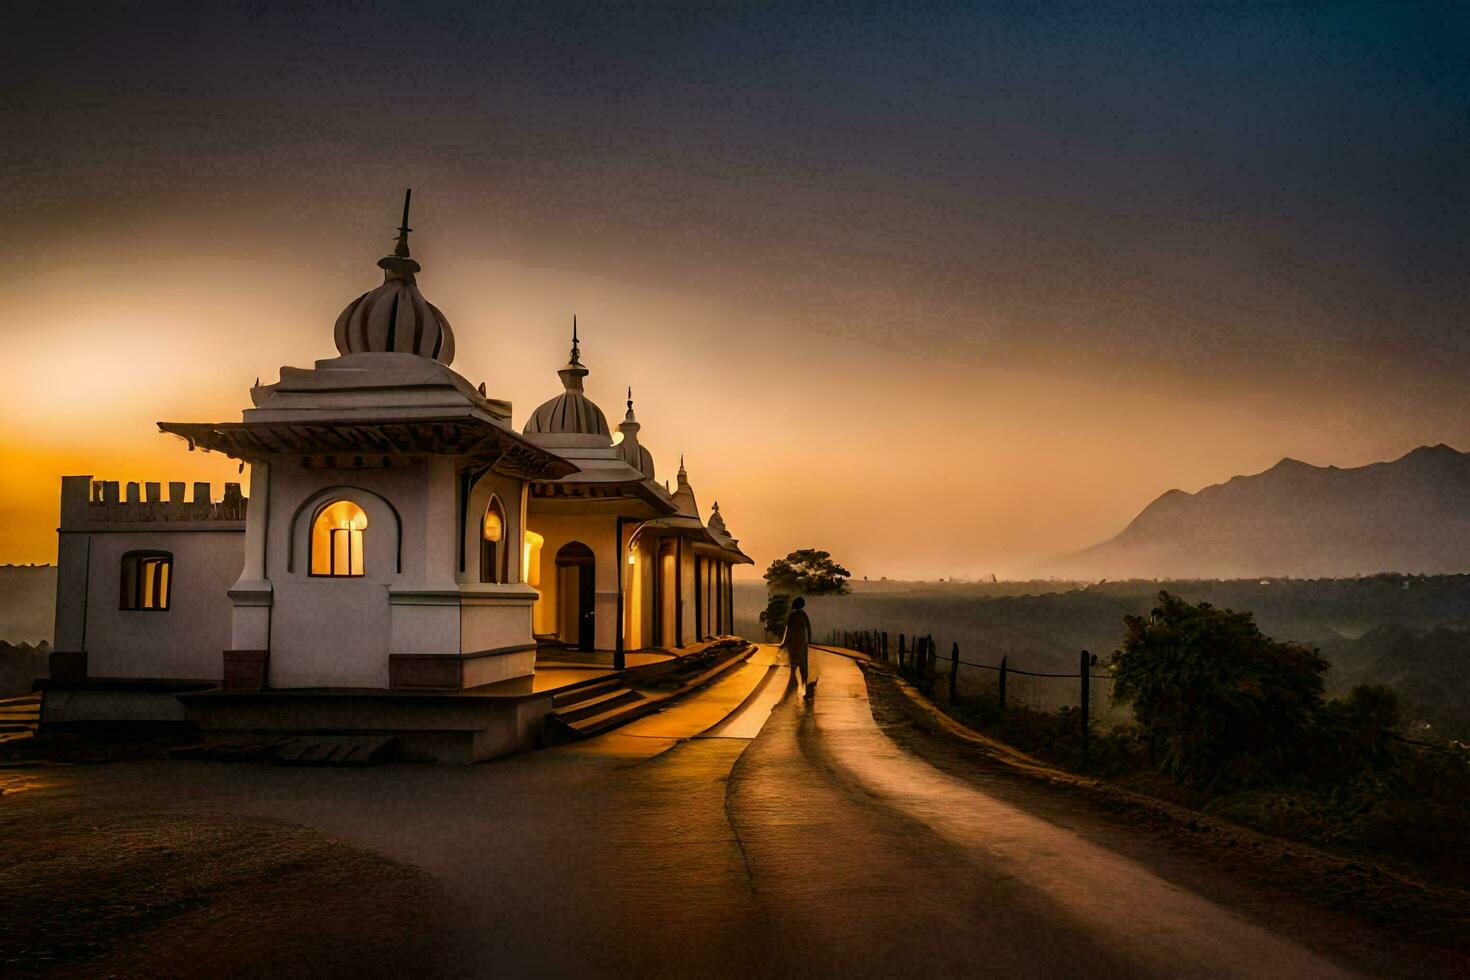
{"x": 140, "y": 892}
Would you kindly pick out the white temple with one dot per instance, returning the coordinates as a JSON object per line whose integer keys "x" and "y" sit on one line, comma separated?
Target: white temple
{"x": 400, "y": 538}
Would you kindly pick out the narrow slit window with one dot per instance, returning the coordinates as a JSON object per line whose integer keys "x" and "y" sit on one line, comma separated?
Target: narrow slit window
{"x": 492, "y": 542}
{"x": 337, "y": 537}
{"x": 147, "y": 580}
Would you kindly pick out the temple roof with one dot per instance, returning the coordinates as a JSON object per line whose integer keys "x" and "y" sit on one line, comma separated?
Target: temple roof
{"x": 346, "y": 440}
{"x": 687, "y": 524}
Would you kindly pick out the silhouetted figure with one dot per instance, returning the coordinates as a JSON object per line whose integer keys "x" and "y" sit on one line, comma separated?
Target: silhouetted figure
{"x": 797, "y": 637}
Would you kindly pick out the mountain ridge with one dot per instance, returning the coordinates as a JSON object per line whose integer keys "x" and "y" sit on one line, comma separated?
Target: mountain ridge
{"x": 1410, "y": 514}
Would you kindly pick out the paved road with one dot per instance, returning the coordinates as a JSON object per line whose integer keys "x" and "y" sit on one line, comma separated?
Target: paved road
{"x": 782, "y": 838}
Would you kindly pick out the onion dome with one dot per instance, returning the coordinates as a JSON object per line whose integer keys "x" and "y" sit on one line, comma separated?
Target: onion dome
{"x": 395, "y": 317}
{"x": 571, "y": 411}
{"x": 629, "y": 449}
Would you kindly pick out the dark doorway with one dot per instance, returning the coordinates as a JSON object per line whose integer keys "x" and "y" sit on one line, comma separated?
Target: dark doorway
{"x": 576, "y": 573}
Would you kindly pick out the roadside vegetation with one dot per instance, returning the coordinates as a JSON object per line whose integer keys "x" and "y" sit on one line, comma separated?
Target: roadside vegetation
{"x": 1237, "y": 724}
{"x": 1410, "y": 632}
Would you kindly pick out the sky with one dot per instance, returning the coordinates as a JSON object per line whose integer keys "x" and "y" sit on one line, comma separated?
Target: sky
{"x": 946, "y": 290}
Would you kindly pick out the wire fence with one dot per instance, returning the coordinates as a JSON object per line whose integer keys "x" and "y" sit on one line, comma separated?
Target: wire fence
{"x": 949, "y": 675}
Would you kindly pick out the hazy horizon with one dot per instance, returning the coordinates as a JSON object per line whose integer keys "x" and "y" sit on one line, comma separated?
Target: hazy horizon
{"x": 943, "y": 292}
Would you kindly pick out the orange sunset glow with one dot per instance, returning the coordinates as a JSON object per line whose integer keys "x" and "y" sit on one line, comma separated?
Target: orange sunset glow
{"x": 1025, "y": 323}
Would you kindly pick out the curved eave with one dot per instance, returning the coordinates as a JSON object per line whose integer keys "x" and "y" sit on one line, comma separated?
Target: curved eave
{"x": 468, "y": 436}
{"x": 691, "y": 529}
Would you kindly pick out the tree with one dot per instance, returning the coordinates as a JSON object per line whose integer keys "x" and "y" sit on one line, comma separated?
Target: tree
{"x": 803, "y": 572}
{"x": 807, "y": 572}
{"x": 773, "y": 617}
{"x": 1218, "y": 701}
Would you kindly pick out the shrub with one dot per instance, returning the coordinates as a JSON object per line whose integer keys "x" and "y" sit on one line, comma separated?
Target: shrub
{"x": 1219, "y": 702}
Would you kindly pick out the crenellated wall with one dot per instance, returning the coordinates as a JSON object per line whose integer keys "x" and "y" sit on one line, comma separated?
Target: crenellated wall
{"x": 84, "y": 499}
{"x": 101, "y": 522}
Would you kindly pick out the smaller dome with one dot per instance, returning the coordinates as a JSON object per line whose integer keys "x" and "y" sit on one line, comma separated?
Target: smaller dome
{"x": 631, "y": 451}
{"x": 571, "y": 412}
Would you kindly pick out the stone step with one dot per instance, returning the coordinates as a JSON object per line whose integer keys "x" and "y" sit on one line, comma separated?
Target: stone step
{"x": 624, "y": 712}
{"x": 600, "y": 704}
{"x": 570, "y": 699}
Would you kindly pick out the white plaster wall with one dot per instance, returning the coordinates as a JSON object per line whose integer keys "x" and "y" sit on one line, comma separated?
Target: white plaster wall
{"x": 185, "y": 642}
{"x": 423, "y": 628}
{"x": 336, "y": 632}
{"x": 494, "y": 623}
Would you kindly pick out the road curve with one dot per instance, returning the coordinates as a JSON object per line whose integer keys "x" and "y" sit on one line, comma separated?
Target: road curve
{"x": 741, "y": 833}
{"x": 878, "y": 863}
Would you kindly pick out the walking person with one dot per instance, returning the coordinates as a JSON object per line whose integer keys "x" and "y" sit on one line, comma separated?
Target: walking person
{"x": 795, "y": 641}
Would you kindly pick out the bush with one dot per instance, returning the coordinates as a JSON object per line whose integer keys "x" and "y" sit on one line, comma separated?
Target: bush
{"x": 1219, "y": 702}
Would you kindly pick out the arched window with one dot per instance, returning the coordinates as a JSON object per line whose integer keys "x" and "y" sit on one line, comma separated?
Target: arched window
{"x": 147, "y": 579}
{"x": 492, "y": 541}
{"x": 336, "y": 539}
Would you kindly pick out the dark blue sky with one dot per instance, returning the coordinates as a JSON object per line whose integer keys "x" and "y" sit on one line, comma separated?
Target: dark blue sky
{"x": 1151, "y": 175}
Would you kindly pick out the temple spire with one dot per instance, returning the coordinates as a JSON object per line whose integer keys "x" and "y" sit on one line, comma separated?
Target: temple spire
{"x": 575, "y": 371}
{"x": 399, "y": 265}
{"x": 401, "y": 249}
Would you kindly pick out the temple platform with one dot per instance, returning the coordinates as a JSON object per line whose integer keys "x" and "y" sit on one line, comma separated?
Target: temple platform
{"x": 451, "y": 726}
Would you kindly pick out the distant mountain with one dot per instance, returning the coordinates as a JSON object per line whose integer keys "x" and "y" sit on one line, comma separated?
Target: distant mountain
{"x": 27, "y": 603}
{"x": 1410, "y": 515}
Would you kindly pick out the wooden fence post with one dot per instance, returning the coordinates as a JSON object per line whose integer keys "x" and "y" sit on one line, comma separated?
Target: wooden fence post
{"x": 954, "y": 668}
{"x": 884, "y": 645}
{"x": 1086, "y": 660}
{"x": 1003, "y": 683}
{"x": 900, "y": 653}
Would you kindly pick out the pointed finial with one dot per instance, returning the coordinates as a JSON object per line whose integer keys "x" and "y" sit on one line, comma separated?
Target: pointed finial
{"x": 401, "y": 250}
{"x": 575, "y": 371}
{"x": 630, "y": 398}
{"x": 399, "y": 265}
{"x": 681, "y": 461}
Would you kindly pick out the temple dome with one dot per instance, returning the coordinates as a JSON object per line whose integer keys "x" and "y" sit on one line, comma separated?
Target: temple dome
{"x": 631, "y": 451}
{"x": 571, "y": 412}
{"x": 395, "y": 317}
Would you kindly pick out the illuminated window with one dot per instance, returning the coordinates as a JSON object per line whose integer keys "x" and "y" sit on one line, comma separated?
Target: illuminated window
{"x": 531, "y": 560}
{"x": 336, "y": 540}
{"x": 146, "y": 580}
{"x": 492, "y": 542}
